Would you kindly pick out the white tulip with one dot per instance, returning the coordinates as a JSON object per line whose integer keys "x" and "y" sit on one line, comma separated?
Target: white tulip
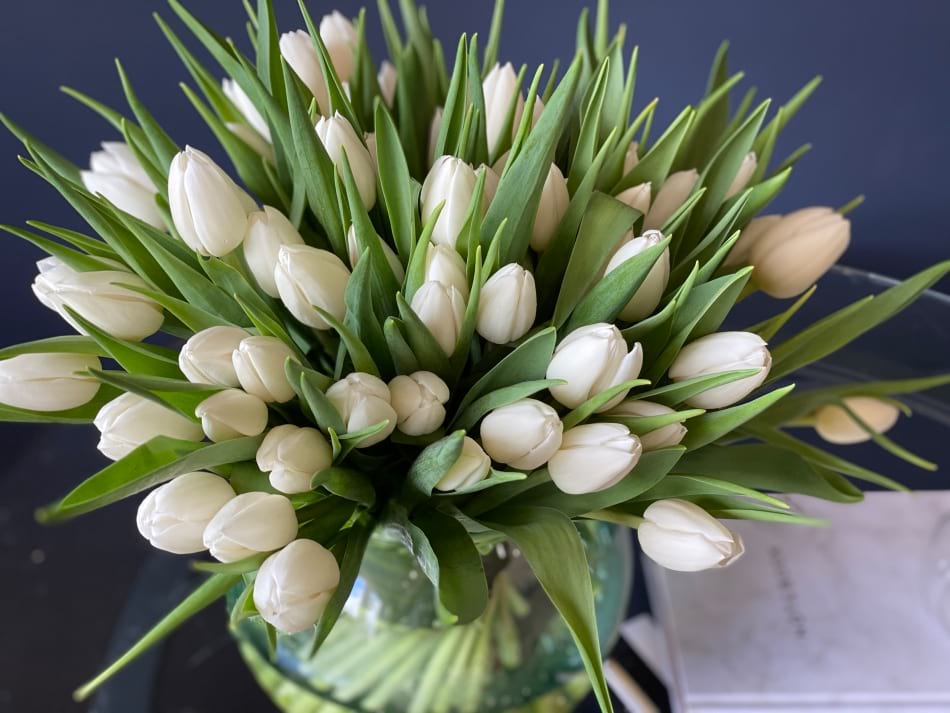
{"x": 757, "y": 227}
{"x": 246, "y": 108}
{"x": 490, "y": 188}
{"x": 418, "y": 400}
{"x": 442, "y": 310}
{"x": 749, "y": 163}
{"x": 594, "y": 457}
{"x": 340, "y": 38}
{"x": 48, "y": 382}
{"x": 793, "y": 253}
{"x": 363, "y": 400}
{"x": 681, "y": 536}
{"x": 97, "y": 297}
{"x": 353, "y": 252}
{"x": 208, "y": 208}
{"x": 249, "y": 524}
{"x": 631, "y": 158}
{"x": 173, "y": 517}
{"x": 116, "y": 174}
{"x": 258, "y": 143}
{"x": 718, "y": 353}
{"x": 298, "y": 50}
{"x": 292, "y": 455}
{"x": 129, "y": 421}
{"x": 500, "y": 88}
{"x": 339, "y": 138}
{"x": 473, "y": 465}
{"x": 593, "y": 359}
{"x": 434, "y": 127}
{"x": 451, "y": 180}
{"x": 369, "y": 138}
{"x": 206, "y": 357}
{"x": 306, "y": 277}
{"x": 232, "y": 413}
{"x": 637, "y": 197}
{"x": 507, "y": 305}
{"x": 267, "y": 231}
{"x": 259, "y": 364}
{"x": 387, "y": 79}
{"x": 835, "y": 425}
{"x": 651, "y": 290}
{"x": 524, "y": 434}
{"x": 446, "y": 266}
{"x": 551, "y": 209}
{"x": 294, "y": 586}
{"x": 672, "y": 194}
{"x": 663, "y": 437}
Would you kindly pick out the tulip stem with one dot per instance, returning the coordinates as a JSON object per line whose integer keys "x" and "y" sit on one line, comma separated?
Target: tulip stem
{"x": 618, "y": 518}
{"x": 850, "y": 205}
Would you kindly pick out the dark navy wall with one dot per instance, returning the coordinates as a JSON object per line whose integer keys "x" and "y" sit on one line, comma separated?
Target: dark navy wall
{"x": 879, "y": 123}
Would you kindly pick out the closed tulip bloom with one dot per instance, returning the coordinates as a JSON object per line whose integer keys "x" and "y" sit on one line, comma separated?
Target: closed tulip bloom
{"x": 339, "y": 139}
{"x": 173, "y": 517}
{"x": 674, "y": 192}
{"x": 791, "y": 256}
{"x": 451, "y": 180}
{"x": 249, "y": 524}
{"x": 507, "y": 305}
{"x": 48, "y": 382}
{"x": 716, "y": 354}
{"x": 592, "y": 359}
{"x": 259, "y": 364}
{"x": 681, "y": 536}
{"x": 631, "y": 158}
{"x": 206, "y": 357}
{"x": 835, "y": 425}
{"x": 267, "y": 231}
{"x": 749, "y": 163}
{"x": 208, "y": 208}
{"x": 490, "y": 188}
{"x": 637, "y": 197}
{"x": 246, "y": 108}
{"x": 500, "y": 88}
{"x": 418, "y": 400}
{"x": 473, "y": 465}
{"x": 298, "y": 50}
{"x": 98, "y": 298}
{"x": 387, "y": 78}
{"x": 292, "y": 455}
{"x": 663, "y": 437}
{"x": 369, "y": 138}
{"x": 339, "y": 37}
{"x": 308, "y": 277}
{"x": 353, "y": 252}
{"x": 116, "y": 174}
{"x": 363, "y": 400}
{"x": 258, "y": 143}
{"x": 293, "y": 587}
{"x": 442, "y": 310}
{"x": 594, "y": 457}
{"x": 651, "y": 290}
{"x": 554, "y": 201}
{"x": 757, "y": 227}
{"x": 129, "y": 421}
{"x": 524, "y": 434}
{"x": 232, "y": 413}
{"x": 446, "y": 266}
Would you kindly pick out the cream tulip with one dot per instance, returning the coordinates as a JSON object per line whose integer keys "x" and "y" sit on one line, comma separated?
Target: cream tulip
{"x": 453, "y": 181}
{"x": 749, "y": 163}
{"x": 353, "y": 253}
{"x": 363, "y": 400}
{"x": 507, "y": 305}
{"x": 757, "y": 227}
{"x": 719, "y": 353}
{"x": 173, "y": 517}
{"x": 246, "y": 108}
{"x": 299, "y": 52}
{"x": 594, "y": 457}
{"x": 490, "y": 188}
{"x": 648, "y": 294}
{"x": 551, "y": 209}
{"x": 631, "y": 158}
{"x": 672, "y": 194}
{"x": 473, "y": 465}
{"x": 340, "y": 38}
{"x": 663, "y": 437}
{"x": 446, "y": 266}
{"x": 249, "y": 524}
{"x": 206, "y": 357}
{"x": 292, "y": 455}
{"x": 306, "y": 277}
{"x": 418, "y": 400}
{"x": 293, "y": 587}
{"x": 681, "y": 536}
{"x": 340, "y": 139}
{"x": 442, "y": 310}
{"x": 232, "y": 413}
{"x": 259, "y": 363}
{"x": 500, "y": 89}
{"x": 48, "y": 382}
{"x": 637, "y": 197}
{"x": 835, "y": 425}
{"x": 129, "y": 421}
{"x": 116, "y": 174}
{"x": 387, "y": 79}
{"x": 524, "y": 434}
{"x": 268, "y": 230}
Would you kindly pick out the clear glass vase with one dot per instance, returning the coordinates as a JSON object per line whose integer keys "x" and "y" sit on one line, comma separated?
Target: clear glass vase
{"x": 391, "y": 651}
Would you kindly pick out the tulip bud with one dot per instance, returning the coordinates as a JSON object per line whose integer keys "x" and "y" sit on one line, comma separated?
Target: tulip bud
{"x": 369, "y": 138}
{"x": 173, "y": 517}
{"x": 835, "y": 425}
{"x": 231, "y": 414}
{"x": 637, "y": 197}
{"x": 339, "y": 139}
{"x": 434, "y": 127}
{"x": 718, "y": 353}
{"x": 292, "y": 455}
{"x": 524, "y": 434}
{"x": 208, "y": 209}
{"x": 48, "y": 382}
{"x": 631, "y": 158}
{"x": 490, "y": 188}
{"x": 592, "y": 359}
{"x": 651, "y": 290}
{"x": 446, "y": 266}
{"x": 442, "y": 310}
{"x": 253, "y": 139}
{"x": 246, "y": 108}
{"x": 743, "y": 175}
{"x": 451, "y": 180}
{"x": 792, "y": 254}
{"x": 681, "y": 536}
{"x": 340, "y": 39}
{"x": 673, "y": 193}
{"x": 663, "y": 437}
{"x": 363, "y": 400}
{"x": 306, "y": 277}
{"x": 353, "y": 252}
{"x": 249, "y": 524}
{"x": 594, "y": 457}
{"x": 294, "y": 586}
{"x": 298, "y": 50}
{"x": 129, "y": 421}
{"x": 267, "y": 231}
{"x": 387, "y": 78}
{"x": 116, "y": 174}
{"x": 97, "y": 297}
{"x": 472, "y": 466}
{"x": 551, "y": 209}
{"x": 418, "y": 401}
{"x": 500, "y": 88}
{"x": 206, "y": 357}
{"x": 507, "y": 305}
{"x": 259, "y": 364}
{"x": 757, "y": 227}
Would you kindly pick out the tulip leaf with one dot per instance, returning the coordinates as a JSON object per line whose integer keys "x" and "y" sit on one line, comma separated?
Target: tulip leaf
{"x": 500, "y": 397}
{"x": 89, "y": 245}
{"x": 362, "y": 360}
{"x": 194, "y": 318}
{"x": 690, "y": 486}
{"x": 655, "y": 166}
{"x": 716, "y": 424}
{"x": 346, "y": 483}
{"x": 584, "y": 149}
{"x": 174, "y": 394}
{"x": 404, "y": 359}
{"x": 642, "y": 425}
{"x": 677, "y": 392}
{"x": 360, "y": 316}
{"x": 350, "y": 439}
{"x": 81, "y": 414}
{"x": 247, "y": 565}
{"x": 311, "y": 386}
{"x": 463, "y": 344}
{"x": 587, "y": 409}
{"x": 504, "y": 492}
{"x": 394, "y": 182}
{"x": 424, "y": 346}
{"x": 61, "y": 165}
{"x": 73, "y": 258}
{"x": 416, "y": 270}
{"x": 69, "y": 344}
{"x": 454, "y": 106}
{"x": 497, "y": 477}
{"x": 430, "y": 466}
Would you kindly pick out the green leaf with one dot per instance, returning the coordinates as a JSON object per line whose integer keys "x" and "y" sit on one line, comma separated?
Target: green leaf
{"x": 362, "y": 360}
{"x": 690, "y": 486}
{"x": 194, "y": 318}
{"x": 430, "y": 466}
{"x": 494, "y": 37}
{"x": 589, "y": 407}
{"x": 654, "y": 167}
{"x": 394, "y": 182}
{"x": 770, "y": 327}
{"x": 311, "y": 385}
{"x": 76, "y": 260}
{"x": 346, "y": 483}
{"x": 586, "y": 144}
{"x": 642, "y": 425}
{"x": 424, "y": 346}
{"x": 360, "y": 316}
{"x": 81, "y": 414}
{"x": 71, "y": 344}
{"x": 497, "y": 477}
{"x": 404, "y": 359}
{"x": 500, "y": 397}
{"x": 680, "y": 391}
{"x": 163, "y": 148}
{"x": 716, "y": 424}
{"x": 505, "y": 492}
{"x": 174, "y": 394}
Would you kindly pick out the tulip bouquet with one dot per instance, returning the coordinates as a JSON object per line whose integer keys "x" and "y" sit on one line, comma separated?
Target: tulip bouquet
{"x": 464, "y": 306}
